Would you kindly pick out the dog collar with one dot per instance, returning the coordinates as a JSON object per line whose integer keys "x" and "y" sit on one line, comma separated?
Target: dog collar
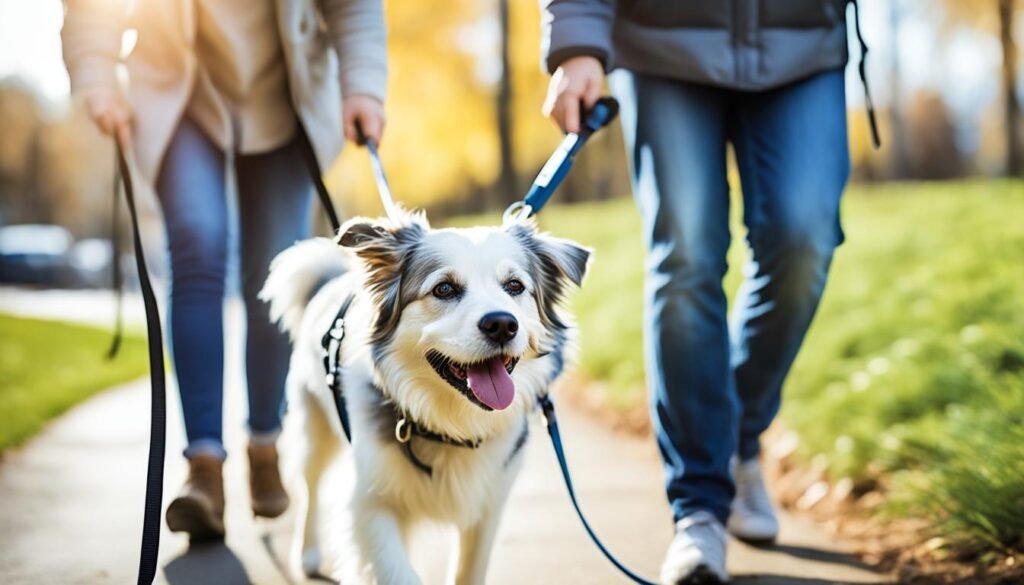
{"x": 406, "y": 429}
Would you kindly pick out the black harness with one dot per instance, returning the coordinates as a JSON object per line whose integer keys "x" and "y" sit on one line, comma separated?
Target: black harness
{"x": 405, "y": 427}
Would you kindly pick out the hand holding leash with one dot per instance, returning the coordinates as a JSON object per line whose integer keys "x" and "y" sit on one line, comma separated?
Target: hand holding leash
{"x": 558, "y": 165}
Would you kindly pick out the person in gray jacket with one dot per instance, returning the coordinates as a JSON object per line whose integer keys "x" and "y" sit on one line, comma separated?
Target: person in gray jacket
{"x": 691, "y": 77}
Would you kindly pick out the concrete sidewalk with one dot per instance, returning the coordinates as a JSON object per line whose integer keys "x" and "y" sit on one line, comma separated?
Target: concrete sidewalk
{"x": 72, "y": 504}
{"x": 71, "y": 500}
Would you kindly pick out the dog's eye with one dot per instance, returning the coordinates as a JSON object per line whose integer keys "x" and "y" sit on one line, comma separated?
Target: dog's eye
{"x": 445, "y": 291}
{"x": 515, "y": 287}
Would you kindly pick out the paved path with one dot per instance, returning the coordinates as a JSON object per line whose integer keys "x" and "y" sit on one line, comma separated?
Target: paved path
{"x": 71, "y": 513}
{"x": 71, "y": 504}
{"x": 95, "y": 307}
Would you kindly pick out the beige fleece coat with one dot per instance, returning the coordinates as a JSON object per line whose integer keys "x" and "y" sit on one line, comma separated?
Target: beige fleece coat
{"x": 329, "y": 46}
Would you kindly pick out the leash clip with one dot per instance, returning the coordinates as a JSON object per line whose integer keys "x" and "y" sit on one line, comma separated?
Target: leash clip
{"x": 517, "y": 212}
{"x": 403, "y": 431}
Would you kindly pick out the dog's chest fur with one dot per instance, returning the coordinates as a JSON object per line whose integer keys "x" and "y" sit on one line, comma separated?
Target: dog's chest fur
{"x": 462, "y": 482}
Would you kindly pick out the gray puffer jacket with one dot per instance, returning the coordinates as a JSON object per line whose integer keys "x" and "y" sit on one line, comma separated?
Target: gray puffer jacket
{"x": 748, "y": 45}
{"x": 738, "y": 44}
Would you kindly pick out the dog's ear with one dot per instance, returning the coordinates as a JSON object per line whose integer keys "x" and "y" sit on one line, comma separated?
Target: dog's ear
{"x": 557, "y": 258}
{"x": 358, "y": 232}
{"x": 384, "y": 247}
{"x": 555, "y": 264}
{"x": 569, "y": 259}
{"x": 382, "y": 241}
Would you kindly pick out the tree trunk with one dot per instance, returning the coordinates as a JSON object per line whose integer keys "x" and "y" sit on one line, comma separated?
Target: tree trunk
{"x": 1014, "y": 161}
{"x": 506, "y": 188}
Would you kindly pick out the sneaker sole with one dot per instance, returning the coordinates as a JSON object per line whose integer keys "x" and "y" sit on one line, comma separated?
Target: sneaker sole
{"x": 755, "y": 540}
{"x": 189, "y": 516}
{"x": 701, "y": 576}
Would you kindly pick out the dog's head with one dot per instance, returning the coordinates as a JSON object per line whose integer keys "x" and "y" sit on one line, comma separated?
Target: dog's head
{"x": 464, "y": 313}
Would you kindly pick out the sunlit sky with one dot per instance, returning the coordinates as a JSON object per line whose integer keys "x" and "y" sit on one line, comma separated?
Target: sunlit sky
{"x": 963, "y": 65}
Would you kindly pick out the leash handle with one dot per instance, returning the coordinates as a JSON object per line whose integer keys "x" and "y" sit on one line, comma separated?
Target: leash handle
{"x": 383, "y": 187}
{"x": 150, "y": 550}
{"x": 548, "y": 408}
{"x": 558, "y": 164}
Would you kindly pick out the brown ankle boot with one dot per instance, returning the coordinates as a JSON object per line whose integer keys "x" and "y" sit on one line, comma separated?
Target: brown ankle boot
{"x": 199, "y": 509}
{"x": 268, "y": 496}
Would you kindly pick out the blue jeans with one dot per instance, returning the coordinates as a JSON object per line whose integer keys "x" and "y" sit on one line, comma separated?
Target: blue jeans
{"x": 274, "y": 200}
{"x": 716, "y": 383}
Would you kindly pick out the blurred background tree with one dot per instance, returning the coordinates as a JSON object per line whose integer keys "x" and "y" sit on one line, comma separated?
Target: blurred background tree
{"x": 996, "y": 18}
{"x": 465, "y": 132}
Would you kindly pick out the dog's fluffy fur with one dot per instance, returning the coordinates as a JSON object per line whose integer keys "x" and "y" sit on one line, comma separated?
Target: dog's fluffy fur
{"x": 395, "y": 321}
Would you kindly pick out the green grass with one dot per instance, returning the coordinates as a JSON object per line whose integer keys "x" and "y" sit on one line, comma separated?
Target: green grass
{"x": 914, "y": 366}
{"x": 46, "y": 367}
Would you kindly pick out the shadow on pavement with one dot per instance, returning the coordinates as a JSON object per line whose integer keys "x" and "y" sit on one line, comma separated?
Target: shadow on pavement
{"x": 209, "y": 562}
{"x": 819, "y": 556}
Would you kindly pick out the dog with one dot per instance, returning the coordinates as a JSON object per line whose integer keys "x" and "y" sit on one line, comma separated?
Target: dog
{"x": 450, "y": 336}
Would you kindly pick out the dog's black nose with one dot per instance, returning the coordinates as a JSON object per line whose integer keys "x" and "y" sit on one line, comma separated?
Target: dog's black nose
{"x": 500, "y": 326}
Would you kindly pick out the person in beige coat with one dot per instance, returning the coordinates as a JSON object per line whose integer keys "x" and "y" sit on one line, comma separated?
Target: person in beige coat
{"x": 214, "y": 85}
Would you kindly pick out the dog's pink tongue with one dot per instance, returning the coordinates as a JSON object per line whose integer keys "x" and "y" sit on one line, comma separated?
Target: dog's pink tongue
{"x": 492, "y": 384}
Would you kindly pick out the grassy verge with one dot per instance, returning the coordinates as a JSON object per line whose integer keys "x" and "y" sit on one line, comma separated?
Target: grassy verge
{"x": 47, "y": 367}
{"x": 914, "y": 367}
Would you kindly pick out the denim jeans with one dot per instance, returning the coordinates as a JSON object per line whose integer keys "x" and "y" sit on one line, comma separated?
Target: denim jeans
{"x": 274, "y": 201}
{"x": 716, "y": 382}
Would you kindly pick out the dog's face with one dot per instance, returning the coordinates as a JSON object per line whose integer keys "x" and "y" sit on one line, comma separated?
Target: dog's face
{"x": 458, "y": 310}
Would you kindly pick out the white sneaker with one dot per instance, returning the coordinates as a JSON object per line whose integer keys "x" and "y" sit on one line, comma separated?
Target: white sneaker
{"x": 753, "y": 516}
{"x": 697, "y": 553}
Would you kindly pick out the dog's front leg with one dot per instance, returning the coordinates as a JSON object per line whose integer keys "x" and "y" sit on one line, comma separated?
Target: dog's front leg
{"x": 380, "y": 539}
{"x": 475, "y": 544}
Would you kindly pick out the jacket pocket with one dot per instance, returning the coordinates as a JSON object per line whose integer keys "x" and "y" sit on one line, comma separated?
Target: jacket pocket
{"x": 799, "y": 13}
{"x": 678, "y": 13}
{"x": 299, "y": 20}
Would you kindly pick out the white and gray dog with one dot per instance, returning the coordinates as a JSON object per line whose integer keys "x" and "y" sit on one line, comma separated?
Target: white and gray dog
{"x": 449, "y": 338}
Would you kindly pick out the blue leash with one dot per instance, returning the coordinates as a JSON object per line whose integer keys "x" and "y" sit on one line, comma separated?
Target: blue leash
{"x": 550, "y": 176}
{"x": 558, "y": 165}
{"x": 548, "y": 408}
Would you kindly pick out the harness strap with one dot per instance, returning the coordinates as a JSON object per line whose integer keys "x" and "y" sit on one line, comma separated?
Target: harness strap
{"x": 158, "y": 392}
{"x": 416, "y": 461}
{"x": 519, "y": 444}
{"x": 331, "y": 343}
{"x": 548, "y": 408}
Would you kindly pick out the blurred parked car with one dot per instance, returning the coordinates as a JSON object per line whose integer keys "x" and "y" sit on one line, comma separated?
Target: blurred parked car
{"x": 47, "y": 255}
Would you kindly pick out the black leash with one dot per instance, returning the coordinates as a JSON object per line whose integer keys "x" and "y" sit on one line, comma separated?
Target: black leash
{"x": 862, "y": 71}
{"x": 309, "y": 156}
{"x": 158, "y": 392}
{"x": 150, "y": 549}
